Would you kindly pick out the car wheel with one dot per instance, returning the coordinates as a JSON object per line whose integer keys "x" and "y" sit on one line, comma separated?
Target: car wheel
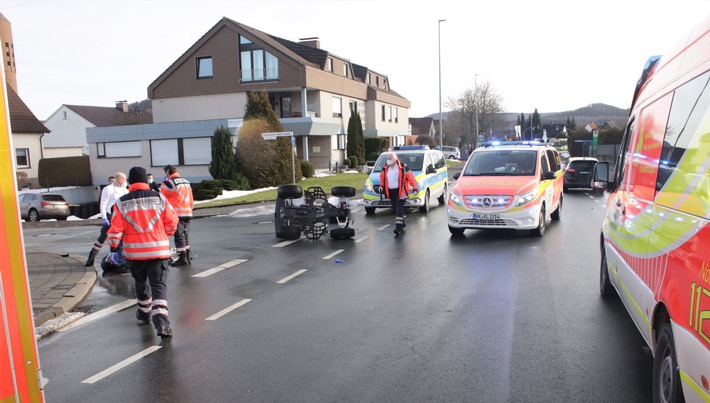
{"x": 442, "y": 198}
{"x": 290, "y": 192}
{"x": 288, "y": 232}
{"x": 604, "y": 283}
{"x": 452, "y": 157}
{"x": 557, "y": 214}
{"x": 33, "y": 216}
{"x": 666, "y": 378}
{"x": 343, "y": 191}
{"x": 540, "y": 230}
{"x": 425, "y": 208}
{"x": 456, "y": 231}
{"x": 370, "y": 210}
{"x": 342, "y": 233}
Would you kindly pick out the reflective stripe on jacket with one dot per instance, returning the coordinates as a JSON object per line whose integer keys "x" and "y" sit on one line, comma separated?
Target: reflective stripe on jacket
{"x": 406, "y": 179}
{"x": 144, "y": 220}
{"x": 179, "y": 193}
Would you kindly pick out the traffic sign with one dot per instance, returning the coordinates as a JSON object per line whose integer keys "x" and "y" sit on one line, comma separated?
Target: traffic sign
{"x": 268, "y": 136}
{"x": 278, "y": 134}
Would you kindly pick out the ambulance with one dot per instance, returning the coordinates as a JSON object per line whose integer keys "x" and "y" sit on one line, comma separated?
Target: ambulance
{"x": 655, "y": 237}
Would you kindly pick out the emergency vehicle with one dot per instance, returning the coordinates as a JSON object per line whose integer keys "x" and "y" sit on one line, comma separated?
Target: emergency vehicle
{"x": 514, "y": 185}
{"x": 430, "y": 172}
{"x": 655, "y": 237}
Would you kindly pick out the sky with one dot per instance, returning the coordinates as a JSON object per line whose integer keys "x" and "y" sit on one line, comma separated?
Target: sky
{"x": 551, "y": 55}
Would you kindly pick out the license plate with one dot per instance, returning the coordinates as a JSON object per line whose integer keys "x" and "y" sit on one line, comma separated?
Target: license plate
{"x": 486, "y": 216}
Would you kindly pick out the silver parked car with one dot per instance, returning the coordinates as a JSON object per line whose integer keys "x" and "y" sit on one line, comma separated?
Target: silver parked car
{"x": 452, "y": 153}
{"x": 39, "y": 206}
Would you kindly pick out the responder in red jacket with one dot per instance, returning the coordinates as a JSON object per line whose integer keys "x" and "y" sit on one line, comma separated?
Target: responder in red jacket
{"x": 143, "y": 219}
{"x": 395, "y": 181}
{"x": 179, "y": 193}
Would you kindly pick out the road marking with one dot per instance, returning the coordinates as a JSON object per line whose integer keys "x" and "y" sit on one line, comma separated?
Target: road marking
{"x": 285, "y": 279}
{"x": 228, "y": 309}
{"x": 285, "y": 243}
{"x": 334, "y": 253}
{"x": 362, "y": 239}
{"x": 128, "y": 361}
{"x": 220, "y": 268}
{"x": 383, "y": 227}
{"x": 99, "y": 314}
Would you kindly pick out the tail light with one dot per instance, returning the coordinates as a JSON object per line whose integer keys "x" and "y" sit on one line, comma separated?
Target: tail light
{"x": 570, "y": 171}
{"x": 45, "y": 204}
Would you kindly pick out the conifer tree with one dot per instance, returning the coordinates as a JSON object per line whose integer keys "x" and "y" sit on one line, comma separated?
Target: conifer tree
{"x": 356, "y": 138}
{"x": 224, "y": 159}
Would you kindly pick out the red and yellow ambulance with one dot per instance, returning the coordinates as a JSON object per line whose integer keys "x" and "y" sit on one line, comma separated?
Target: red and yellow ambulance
{"x": 655, "y": 238}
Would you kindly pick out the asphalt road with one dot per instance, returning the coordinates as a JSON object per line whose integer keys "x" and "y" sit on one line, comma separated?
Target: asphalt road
{"x": 491, "y": 316}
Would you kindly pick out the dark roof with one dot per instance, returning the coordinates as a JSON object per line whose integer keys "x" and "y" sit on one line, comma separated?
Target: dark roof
{"x": 421, "y": 126}
{"x": 21, "y": 117}
{"x": 313, "y": 55}
{"x": 106, "y": 116}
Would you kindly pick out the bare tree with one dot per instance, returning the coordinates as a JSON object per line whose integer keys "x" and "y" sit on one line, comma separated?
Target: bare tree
{"x": 478, "y": 110}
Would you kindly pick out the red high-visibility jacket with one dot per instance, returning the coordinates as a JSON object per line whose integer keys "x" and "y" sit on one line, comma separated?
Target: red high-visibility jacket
{"x": 406, "y": 179}
{"x": 179, "y": 193}
{"x": 144, "y": 220}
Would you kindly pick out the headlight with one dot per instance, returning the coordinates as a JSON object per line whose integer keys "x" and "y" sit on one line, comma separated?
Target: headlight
{"x": 420, "y": 185}
{"x": 455, "y": 198}
{"x": 526, "y": 197}
{"x": 368, "y": 187}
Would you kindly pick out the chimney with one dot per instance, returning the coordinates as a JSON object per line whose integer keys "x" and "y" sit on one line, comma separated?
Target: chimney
{"x": 122, "y": 106}
{"x": 313, "y": 42}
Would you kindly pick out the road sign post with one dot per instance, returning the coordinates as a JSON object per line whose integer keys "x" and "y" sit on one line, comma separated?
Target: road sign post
{"x": 274, "y": 136}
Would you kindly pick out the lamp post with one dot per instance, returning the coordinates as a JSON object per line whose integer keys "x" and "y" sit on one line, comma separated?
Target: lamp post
{"x": 475, "y": 103}
{"x": 441, "y": 136}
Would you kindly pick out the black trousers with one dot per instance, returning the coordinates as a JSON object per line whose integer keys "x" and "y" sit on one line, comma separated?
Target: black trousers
{"x": 151, "y": 288}
{"x": 182, "y": 235}
{"x": 397, "y": 205}
{"x": 103, "y": 235}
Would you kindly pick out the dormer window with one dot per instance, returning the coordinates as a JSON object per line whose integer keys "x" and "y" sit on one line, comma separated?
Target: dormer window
{"x": 256, "y": 63}
{"x": 330, "y": 64}
{"x": 345, "y": 70}
{"x": 369, "y": 78}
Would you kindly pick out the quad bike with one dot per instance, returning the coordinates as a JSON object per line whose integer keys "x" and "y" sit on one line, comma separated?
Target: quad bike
{"x": 312, "y": 213}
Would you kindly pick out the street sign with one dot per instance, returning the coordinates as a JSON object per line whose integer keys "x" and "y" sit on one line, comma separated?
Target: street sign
{"x": 268, "y": 136}
{"x": 278, "y": 134}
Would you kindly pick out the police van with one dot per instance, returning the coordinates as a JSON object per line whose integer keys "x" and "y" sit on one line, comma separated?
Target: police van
{"x": 430, "y": 172}
{"x": 655, "y": 237}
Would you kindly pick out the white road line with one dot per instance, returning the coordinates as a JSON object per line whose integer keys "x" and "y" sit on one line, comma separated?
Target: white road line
{"x": 383, "y": 227}
{"x": 264, "y": 222}
{"x": 128, "y": 361}
{"x": 285, "y": 243}
{"x": 285, "y": 279}
{"x": 228, "y": 309}
{"x": 362, "y": 239}
{"x": 220, "y": 268}
{"x": 99, "y": 314}
{"x": 334, "y": 253}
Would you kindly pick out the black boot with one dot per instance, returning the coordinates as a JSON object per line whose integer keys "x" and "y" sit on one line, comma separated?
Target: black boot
{"x": 90, "y": 259}
{"x": 397, "y": 229}
{"x": 181, "y": 260}
{"x": 187, "y": 255}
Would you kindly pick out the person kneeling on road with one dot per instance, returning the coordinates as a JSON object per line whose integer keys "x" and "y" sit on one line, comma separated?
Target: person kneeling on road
{"x": 143, "y": 219}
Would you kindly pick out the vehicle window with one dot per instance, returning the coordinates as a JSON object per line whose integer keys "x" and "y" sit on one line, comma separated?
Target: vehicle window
{"x": 583, "y": 166}
{"x": 690, "y": 102}
{"x": 415, "y": 162}
{"x": 53, "y": 197}
{"x": 440, "y": 161}
{"x": 620, "y": 162}
{"x": 554, "y": 160}
{"x": 502, "y": 162}
{"x": 543, "y": 163}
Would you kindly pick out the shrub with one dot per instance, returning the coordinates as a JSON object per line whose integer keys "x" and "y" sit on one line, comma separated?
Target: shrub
{"x": 64, "y": 171}
{"x": 353, "y": 161}
{"x": 307, "y": 169}
{"x": 203, "y": 191}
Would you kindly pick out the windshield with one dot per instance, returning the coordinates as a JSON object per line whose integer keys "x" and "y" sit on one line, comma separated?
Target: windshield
{"x": 414, "y": 161}
{"x": 502, "y": 162}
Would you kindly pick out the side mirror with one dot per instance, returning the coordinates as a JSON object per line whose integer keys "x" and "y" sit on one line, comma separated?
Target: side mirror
{"x": 549, "y": 175}
{"x": 430, "y": 169}
{"x": 600, "y": 176}
{"x": 456, "y": 175}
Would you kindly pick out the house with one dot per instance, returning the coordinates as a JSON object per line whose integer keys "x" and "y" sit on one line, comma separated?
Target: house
{"x": 313, "y": 92}
{"x": 422, "y": 127}
{"x": 68, "y": 126}
{"x": 27, "y": 132}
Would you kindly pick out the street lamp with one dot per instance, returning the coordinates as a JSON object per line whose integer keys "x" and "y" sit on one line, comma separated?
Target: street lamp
{"x": 441, "y": 136}
{"x": 475, "y": 106}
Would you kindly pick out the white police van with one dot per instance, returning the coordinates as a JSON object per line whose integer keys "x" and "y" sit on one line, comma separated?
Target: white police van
{"x": 430, "y": 172}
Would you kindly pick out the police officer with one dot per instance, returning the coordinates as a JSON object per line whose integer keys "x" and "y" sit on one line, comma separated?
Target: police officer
{"x": 143, "y": 219}
{"x": 396, "y": 180}
{"x": 179, "y": 193}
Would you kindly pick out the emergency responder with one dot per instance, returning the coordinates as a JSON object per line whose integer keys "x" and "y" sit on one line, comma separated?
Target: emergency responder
{"x": 396, "y": 180}
{"x": 110, "y": 193}
{"x": 179, "y": 193}
{"x": 143, "y": 220}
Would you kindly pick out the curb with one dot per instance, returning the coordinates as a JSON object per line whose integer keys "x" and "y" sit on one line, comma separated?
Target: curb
{"x": 71, "y": 298}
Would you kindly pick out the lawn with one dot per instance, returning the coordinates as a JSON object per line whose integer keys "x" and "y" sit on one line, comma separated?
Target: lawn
{"x": 356, "y": 180}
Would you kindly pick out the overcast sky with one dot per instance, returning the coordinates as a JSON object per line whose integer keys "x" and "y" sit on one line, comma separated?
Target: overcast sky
{"x": 551, "y": 55}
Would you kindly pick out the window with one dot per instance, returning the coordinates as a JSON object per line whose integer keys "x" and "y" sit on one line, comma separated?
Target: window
{"x": 256, "y": 63}
{"x": 22, "y": 157}
{"x": 377, "y": 81}
{"x": 204, "y": 67}
{"x": 369, "y": 78}
{"x": 342, "y": 141}
{"x": 64, "y": 114}
{"x": 389, "y": 113}
{"x": 119, "y": 149}
{"x": 337, "y": 107}
{"x": 188, "y": 151}
{"x": 330, "y": 65}
{"x": 345, "y": 70}
{"x": 353, "y": 107}
{"x": 100, "y": 150}
{"x": 383, "y": 113}
{"x": 396, "y": 115}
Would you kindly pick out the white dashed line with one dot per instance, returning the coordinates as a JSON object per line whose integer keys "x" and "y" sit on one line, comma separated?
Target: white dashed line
{"x": 285, "y": 243}
{"x": 220, "y": 268}
{"x": 228, "y": 309}
{"x": 362, "y": 239}
{"x": 334, "y": 253}
{"x": 128, "y": 361}
{"x": 99, "y": 314}
{"x": 383, "y": 227}
{"x": 285, "y": 279}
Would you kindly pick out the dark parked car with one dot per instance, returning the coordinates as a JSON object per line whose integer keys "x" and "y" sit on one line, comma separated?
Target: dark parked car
{"x": 578, "y": 174}
{"x": 42, "y": 206}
